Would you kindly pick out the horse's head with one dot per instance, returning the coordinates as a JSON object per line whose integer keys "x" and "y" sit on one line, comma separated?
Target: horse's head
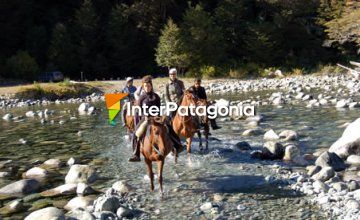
{"x": 203, "y": 117}
{"x": 189, "y": 99}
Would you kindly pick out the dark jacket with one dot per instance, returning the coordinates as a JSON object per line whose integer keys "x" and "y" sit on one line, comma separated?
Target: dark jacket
{"x": 174, "y": 91}
{"x": 200, "y": 92}
{"x": 149, "y": 99}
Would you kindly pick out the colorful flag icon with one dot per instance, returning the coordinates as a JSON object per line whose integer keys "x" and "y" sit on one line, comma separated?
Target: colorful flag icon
{"x": 113, "y": 105}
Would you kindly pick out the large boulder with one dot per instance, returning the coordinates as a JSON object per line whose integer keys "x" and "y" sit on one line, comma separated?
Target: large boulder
{"x": 80, "y": 174}
{"x": 25, "y": 186}
{"x": 107, "y": 203}
{"x": 271, "y": 135}
{"x": 274, "y": 150}
{"x": 332, "y": 160}
{"x": 325, "y": 174}
{"x": 349, "y": 142}
{"x": 49, "y": 213}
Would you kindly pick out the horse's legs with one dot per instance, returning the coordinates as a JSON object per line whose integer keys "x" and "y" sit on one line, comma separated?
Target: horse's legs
{"x": 188, "y": 145}
{"x": 206, "y": 129}
{"x": 200, "y": 141}
{"x": 150, "y": 173}
{"x": 160, "y": 171}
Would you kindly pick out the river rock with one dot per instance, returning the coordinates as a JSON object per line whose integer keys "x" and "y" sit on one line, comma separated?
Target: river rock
{"x": 49, "y": 213}
{"x": 84, "y": 189}
{"x": 349, "y": 142}
{"x": 79, "y": 202}
{"x": 30, "y": 114}
{"x": 107, "y": 203}
{"x": 243, "y": 146}
{"x": 83, "y": 107}
{"x": 36, "y": 172}
{"x": 66, "y": 189}
{"x": 80, "y": 174}
{"x": 12, "y": 207}
{"x": 206, "y": 206}
{"x": 72, "y": 161}
{"x": 275, "y": 149}
{"x": 341, "y": 104}
{"x": 320, "y": 186}
{"x": 339, "y": 186}
{"x": 271, "y": 135}
{"x": 53, "y": 163}
{"x": 353, "y": 205}
{"x": 332, "y": 160}
{"x": 353, "y": 160}
{"x": 312, "y": 170}
{"x": 80, "y": 214}
{"x": 123, "y": 212}
{"x": 289, "y": 135}
{"x": 121, "y": 187}
{"x": 353, "y": 185}
{"x": 252, "y": 132}
{"x": 8, "y": 117}
{"x": 291, "y": 152}
{"x": 25, "y": 186}
{"x": 325, "y": 174}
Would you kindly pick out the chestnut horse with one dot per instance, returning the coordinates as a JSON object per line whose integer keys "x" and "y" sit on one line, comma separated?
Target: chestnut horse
{"x": 187, "y": 126}
{"x": 130, "y": 120}
{"x": 155, "y": 146}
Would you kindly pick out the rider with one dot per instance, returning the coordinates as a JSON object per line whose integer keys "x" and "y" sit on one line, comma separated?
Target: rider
{"x": 174, "y": 89}
{"x": 149, "y": 98}
{"x": 130, "y": 89}
{"x": 198, "y": 91}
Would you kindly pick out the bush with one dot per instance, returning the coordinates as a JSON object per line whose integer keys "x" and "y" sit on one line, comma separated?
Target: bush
{"x": 246, "y": 70}
{"x": 329, "y": 69}
{"x": 208, "y": 71}
{"x": 65, "y": 82}
{"x": 22, "y": 65}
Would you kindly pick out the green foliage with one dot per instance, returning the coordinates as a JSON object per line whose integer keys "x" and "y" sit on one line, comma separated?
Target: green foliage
{"x": 61, "y": 51}
{"x": 345, "y": 29}
{"x": 208, "y": 71}
{"x": 245, "y": 70}
{"x": 169, "y": 50}
{"x": 329, "y": 10}
{"x": 22, "y": 65}
{"x": 202, "y": 39}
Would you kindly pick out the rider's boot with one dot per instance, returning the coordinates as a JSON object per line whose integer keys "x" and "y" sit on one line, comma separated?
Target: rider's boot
{"x": 213, "y": 124}
{"x": 136, "y": 154}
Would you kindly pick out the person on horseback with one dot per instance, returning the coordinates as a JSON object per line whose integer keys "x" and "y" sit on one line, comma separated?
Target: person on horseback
{"x": 198, "y": 91}
{"x": 149, "y": 98}
{"x": 130, "y": 89}
{"x": 174, "y": 89}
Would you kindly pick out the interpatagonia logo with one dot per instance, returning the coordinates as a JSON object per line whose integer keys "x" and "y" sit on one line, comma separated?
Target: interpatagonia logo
{"x": 113, "y": 105}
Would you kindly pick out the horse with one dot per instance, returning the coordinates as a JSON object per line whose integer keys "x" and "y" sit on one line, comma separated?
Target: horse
{"x": 130, "y": 120}
{"x": 155, "y": 146}
{"x": 186, "y": 126}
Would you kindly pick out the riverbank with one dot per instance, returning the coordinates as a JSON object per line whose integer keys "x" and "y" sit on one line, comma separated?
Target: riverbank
{"x": 299, "y": 118}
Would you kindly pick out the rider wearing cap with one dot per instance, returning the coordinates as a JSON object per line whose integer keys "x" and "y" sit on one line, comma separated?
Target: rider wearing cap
{"x": 130, "y": 89}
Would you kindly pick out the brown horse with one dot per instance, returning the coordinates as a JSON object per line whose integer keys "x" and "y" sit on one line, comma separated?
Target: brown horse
{"x": 155, "y": 146}
{"x": 186, "y": 126}
{"x": 130, "y": 120}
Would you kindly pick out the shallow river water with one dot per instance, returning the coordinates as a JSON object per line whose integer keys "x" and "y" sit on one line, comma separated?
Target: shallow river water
{"x": 222, "y": 171}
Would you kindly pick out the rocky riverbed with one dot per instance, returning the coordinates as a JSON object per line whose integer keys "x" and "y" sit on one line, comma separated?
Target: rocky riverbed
{"x": 298, "y": 158}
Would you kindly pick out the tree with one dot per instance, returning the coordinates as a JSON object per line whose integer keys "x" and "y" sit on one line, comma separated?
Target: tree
{"x": 202, "y": 39}
{"x": 85, "y": 31}
{"x": 61, "y": 51}
{"x": 120, "y": 41}
{"x": 344, "y": 32}
{"x": 169, "y": 50}
{"x": 22, "y": 66}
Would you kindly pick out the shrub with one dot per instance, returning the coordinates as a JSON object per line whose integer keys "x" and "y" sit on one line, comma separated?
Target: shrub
{"x": 22, "y": 65}
{"x": 208, "y": 71}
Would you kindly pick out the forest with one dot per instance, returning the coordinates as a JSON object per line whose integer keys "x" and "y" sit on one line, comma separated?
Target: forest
{"x": 209, "y": 38}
